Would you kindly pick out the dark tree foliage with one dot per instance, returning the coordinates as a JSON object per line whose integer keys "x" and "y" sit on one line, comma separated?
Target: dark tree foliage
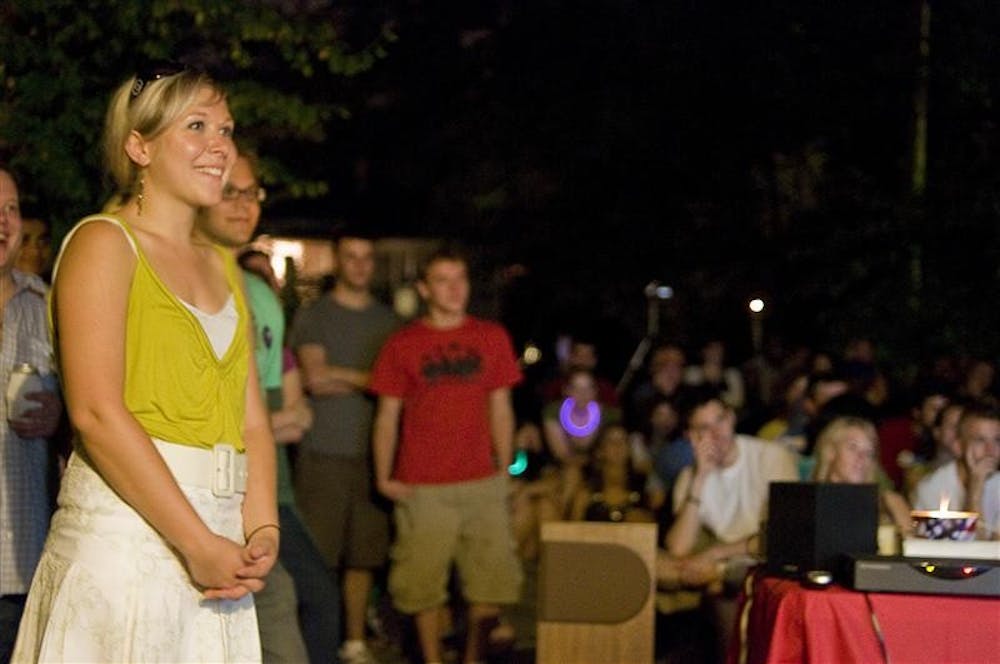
{"x": 730, "y": 149}
{"x": 281, "y": 62}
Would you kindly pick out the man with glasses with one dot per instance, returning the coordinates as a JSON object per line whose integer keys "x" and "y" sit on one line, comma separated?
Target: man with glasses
{"x": 726, "y": 489}
{"x": 721, "y": 501}
{"x": 298, "y": 610}
{"x": 24, "y": 454}
{"x": 963, "y": 481}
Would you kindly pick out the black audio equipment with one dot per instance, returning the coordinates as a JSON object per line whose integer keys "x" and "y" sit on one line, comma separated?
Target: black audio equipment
{"x": 812, "y": 526}
{"x": 932, "y": 576}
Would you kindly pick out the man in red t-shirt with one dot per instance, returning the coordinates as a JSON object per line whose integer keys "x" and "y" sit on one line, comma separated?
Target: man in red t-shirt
{"x": 447, "y": 378}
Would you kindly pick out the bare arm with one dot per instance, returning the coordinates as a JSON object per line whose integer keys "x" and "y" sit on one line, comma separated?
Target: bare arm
{"x": 683, "y": 534}
{"x": 723, "y": 552}
{"x": 501, "y": 414}
{"x": 385, "y": 437}
{"x": 295, "y": 417}
{"x": 324, "y": 379}
{"x": 899, "y": 511}
{"x": 260, "y": 505}
{"x": 91, "y": 301}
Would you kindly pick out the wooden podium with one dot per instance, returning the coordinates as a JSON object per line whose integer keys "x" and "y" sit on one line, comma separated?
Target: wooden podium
{"x": 596, "y": 590}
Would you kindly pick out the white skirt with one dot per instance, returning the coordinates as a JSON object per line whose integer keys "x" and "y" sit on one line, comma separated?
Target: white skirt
{"x": 110, "y": 589}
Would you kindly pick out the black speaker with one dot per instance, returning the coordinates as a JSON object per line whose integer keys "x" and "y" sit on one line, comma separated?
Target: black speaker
{"x": 813, "y": 526}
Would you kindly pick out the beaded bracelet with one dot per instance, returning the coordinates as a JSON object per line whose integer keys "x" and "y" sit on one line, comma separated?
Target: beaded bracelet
{"x": 260, "y": 528}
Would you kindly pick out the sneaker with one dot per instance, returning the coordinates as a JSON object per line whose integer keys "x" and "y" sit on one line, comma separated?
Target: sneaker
{"x": 356, "y": 652}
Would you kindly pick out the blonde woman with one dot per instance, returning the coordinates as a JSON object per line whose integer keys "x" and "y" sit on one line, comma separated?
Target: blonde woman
{"x": 167, "y": 519}
{"x": 847, "y": 451}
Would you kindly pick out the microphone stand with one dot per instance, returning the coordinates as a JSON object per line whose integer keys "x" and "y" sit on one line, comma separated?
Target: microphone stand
{"x": 653, "y": 300}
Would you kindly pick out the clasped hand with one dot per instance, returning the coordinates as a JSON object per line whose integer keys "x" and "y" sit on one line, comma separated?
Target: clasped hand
{"x": 225, "y": 570}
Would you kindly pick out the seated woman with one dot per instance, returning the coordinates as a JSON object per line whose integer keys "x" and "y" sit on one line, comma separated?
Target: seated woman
{"x": 614, "y": 491}
{"x": 660, "y": 429}
{"x": 847, "y": 451}
{"x": 570, "y": 425}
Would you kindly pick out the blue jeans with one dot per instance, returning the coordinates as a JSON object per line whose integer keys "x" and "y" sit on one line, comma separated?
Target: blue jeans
{"x": 315, "y": 584}
{"x": 11, "y": 608}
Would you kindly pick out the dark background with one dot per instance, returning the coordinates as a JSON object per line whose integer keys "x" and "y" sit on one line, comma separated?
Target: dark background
{"x": 728, "y": 149}
{"x": 583, "y": 149}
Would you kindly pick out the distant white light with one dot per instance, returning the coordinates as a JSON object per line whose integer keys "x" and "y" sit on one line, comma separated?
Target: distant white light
{"x": 532, "y": 354}
{"x": 655, "y": 289}
{"x": 406, "y": 302}
{"x": 282, "y": 249}
{"x": 756, "y": 305}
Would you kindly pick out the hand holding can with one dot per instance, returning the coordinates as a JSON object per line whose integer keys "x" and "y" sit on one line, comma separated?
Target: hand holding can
{"x": 24, "y": 380}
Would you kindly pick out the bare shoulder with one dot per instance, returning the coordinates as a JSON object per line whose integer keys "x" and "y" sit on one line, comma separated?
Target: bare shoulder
{"x": 96, "y": 247}
{"x": 99, "y": 235}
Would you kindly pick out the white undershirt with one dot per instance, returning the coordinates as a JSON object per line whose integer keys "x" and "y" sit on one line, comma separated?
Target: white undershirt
{"x": 220, "y": 327}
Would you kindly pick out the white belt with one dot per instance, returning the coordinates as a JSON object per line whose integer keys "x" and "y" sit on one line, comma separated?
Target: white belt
{"x": 221, "y": 469}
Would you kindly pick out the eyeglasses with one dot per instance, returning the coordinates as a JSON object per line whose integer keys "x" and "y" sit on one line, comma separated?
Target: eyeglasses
{"x": 152, "y": 73}
{"x": 253, "y": 194}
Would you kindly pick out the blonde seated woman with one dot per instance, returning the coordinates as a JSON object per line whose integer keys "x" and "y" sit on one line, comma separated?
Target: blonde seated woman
{"x": 847, "y": 451}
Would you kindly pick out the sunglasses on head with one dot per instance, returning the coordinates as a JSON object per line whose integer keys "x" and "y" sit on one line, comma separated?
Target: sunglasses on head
{"x": 152, "y": 73}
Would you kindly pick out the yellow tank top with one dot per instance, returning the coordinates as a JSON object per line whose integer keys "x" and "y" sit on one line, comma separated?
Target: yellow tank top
{"x": 175, "y": 386}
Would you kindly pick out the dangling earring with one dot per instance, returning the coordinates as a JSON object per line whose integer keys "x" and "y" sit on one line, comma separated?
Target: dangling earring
{"x": 139, "y": 196}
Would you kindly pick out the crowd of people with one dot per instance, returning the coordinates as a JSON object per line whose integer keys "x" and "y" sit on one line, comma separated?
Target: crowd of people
{"x": 703, "y": 447}
{"x": 234, "y": 486}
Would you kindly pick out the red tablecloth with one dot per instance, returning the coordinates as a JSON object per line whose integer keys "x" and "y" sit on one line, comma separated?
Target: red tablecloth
{"x": 788, "y": 623}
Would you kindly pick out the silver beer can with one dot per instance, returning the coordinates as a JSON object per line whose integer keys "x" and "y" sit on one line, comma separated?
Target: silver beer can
{"x": 24, "y": 380}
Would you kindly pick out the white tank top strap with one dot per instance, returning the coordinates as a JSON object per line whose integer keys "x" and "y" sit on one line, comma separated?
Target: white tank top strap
{"x": 83, "y": 222}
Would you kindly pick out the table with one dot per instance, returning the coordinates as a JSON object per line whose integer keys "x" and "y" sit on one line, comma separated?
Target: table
{"x": 788, "y": 623}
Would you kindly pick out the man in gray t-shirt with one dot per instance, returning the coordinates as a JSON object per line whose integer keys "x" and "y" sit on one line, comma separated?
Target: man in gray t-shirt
{"x": 336, "y": 340}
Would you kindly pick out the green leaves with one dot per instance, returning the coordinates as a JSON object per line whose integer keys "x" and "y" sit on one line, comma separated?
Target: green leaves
{"x": 61, "y": 59}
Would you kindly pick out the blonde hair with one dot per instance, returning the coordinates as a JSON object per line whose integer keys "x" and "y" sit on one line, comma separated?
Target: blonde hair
{"x": 157, "y": 104}
{"x": 832, "y": 436}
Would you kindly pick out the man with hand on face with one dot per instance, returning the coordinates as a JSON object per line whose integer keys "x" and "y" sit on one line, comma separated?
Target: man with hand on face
{"x": 721, "y": 501}
{"x": 963, "y": 481}
{"x": 24, "y": 455}
{"x": 725, "y": 492}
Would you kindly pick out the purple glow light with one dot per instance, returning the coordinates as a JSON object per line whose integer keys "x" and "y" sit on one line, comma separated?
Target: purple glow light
{"x": 579, "y": 430}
